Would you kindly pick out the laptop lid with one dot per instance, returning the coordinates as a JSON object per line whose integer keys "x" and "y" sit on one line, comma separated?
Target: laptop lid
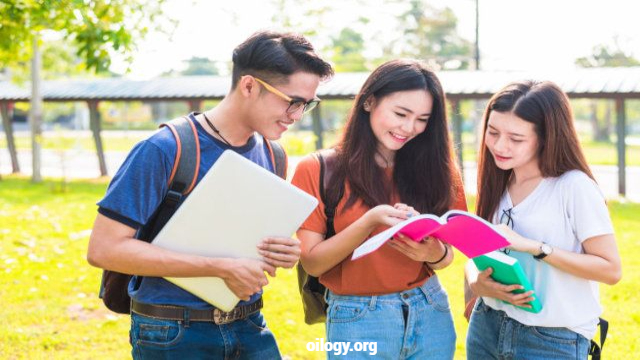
{"x": 236, "y": 204}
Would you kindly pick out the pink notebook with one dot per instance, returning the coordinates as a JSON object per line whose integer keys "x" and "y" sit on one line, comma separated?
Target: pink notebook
{"x": 470, "y": 234}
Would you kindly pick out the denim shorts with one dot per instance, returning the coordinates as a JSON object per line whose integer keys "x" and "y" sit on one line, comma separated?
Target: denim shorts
{"x": 494, "y": 335}
{"x": 412, "y": 324}
{"x": 247, "y": 338}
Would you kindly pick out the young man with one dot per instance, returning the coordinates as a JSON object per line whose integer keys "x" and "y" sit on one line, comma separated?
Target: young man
{"x": 274, "y": 81}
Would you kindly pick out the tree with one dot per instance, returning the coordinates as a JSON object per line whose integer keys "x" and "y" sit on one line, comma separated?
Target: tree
{"x": 430, "y": 34}
{"x": 604, "y": 55}
{"x": 348, "y": 48}
{"x": 98, "y": 30}
{"x": 306, "y": 17}
{"x": 200, "y": 66}
{"x": 59, "y": 60}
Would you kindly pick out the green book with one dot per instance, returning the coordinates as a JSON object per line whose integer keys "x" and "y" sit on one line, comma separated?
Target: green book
{"x": 507, "y": 270}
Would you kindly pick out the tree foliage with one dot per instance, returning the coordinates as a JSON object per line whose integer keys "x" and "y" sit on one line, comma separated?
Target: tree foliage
{"x": 607, "y": 56}
{"x": 604, "y": 55}
{"x": 200, "y": 66}
{"x": 430, "y": 34}
{"x": 348, "y": 51}
{"x": 98, "y": 29}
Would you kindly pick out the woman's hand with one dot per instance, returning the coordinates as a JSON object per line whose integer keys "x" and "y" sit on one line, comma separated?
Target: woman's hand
{"x": 429, "y": 249}
{"x": 408, "y": 209}
{"x": 484, "y": 285}
{"x": 386, "y": 215}
{"x": 518, "y": 242}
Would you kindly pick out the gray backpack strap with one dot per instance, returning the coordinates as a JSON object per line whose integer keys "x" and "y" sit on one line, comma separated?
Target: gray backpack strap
{"x": 183, "y": 175}
{"x": 278, "y": 158}
{"x": 328, "y": 159}
{"x": 186, "y": 165}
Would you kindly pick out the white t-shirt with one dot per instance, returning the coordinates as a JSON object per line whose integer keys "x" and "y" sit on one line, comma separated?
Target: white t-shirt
{"x": 563, "y": 212}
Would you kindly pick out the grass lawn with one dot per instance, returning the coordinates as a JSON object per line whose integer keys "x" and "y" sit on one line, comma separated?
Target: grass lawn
{"x": 49, "y": 292}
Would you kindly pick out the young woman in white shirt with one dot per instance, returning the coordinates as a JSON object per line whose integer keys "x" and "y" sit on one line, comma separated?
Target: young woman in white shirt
{"x": 534, "y": 181}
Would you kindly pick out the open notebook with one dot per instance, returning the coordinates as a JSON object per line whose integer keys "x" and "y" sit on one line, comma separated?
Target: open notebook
{"x": 235, "y": 205}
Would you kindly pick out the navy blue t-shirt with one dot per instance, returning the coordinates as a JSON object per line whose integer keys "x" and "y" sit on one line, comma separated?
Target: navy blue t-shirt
{"x": 140, "y": 184}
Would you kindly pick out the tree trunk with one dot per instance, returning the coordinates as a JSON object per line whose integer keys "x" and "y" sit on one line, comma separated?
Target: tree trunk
{"x": 8, "y": 130}
{"x": 35, "y": 116}
{"x": 94, "y": 119}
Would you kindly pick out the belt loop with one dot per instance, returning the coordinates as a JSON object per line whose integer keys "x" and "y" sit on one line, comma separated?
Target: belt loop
{"x": 428, "y": 287}
{"x": 185, "y": 317}
{"x": 372, "y": 302}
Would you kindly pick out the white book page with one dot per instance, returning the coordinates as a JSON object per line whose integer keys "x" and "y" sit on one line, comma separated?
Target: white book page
{"x": 374, "y": 242}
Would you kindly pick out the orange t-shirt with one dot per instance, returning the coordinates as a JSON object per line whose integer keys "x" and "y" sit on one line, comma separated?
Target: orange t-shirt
{"x": 384, "y": 271}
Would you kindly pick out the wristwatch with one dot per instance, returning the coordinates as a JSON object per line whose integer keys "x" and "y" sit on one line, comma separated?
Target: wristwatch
{"x": 545, "y": 250}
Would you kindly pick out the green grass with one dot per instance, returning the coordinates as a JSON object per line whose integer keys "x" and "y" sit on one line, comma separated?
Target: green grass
{"x": 50, "y": 307}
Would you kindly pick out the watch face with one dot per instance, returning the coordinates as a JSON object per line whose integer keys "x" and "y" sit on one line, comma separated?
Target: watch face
{"x": 546, "y": 249}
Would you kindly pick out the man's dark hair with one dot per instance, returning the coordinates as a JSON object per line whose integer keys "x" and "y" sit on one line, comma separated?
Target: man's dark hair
{"x": 273, "y": 56}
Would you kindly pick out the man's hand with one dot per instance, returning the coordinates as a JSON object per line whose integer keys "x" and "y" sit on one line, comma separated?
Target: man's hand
{"x": 245, "y": 277}
{"x": 280, "y": 251}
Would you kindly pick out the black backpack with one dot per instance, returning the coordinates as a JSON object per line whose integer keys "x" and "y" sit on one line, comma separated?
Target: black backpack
{"x": 311, "y": 290}
{"x": 114, "y": 285}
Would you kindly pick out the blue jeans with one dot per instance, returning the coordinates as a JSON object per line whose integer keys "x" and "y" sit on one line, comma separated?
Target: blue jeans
{"x": 494, "y": 335}
{"x": 247, "y": 338}
{"x": 412, "y": 324}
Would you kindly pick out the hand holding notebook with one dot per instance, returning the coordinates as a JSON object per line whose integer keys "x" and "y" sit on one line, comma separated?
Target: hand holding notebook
{"x": 508, "y": 271}
{"x": 467, "y": 232}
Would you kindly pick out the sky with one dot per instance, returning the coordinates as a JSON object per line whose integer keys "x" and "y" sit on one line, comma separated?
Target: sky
{"x": 541, "y": 35}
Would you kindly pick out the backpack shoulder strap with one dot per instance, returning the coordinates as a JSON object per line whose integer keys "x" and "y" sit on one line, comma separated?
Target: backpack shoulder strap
{"x": 186, "y": 165}
{"x": 327, "y": 159}
{"x": 595, "y": 350}
{"x": 183, "y": 175}
{"x": 278, "y": 158}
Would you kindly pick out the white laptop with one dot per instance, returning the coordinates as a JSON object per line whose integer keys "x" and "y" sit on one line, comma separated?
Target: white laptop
{"x": 235, "y": 205}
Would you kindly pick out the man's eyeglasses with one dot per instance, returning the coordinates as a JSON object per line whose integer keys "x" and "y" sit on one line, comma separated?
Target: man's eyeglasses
{"x": 294, "y": 104}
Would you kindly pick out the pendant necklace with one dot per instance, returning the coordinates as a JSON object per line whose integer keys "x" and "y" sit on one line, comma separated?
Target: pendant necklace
{"x": 215, "y": 129}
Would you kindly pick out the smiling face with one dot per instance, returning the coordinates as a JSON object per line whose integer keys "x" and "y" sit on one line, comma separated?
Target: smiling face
{"x": 512, "y": 141}
{"x": 399, "y": 117}
{"x": 269, "y": 115}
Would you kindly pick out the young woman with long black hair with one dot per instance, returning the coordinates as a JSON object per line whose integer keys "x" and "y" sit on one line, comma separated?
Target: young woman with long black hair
{"x": 533, "y": 179}
{"x": 395, "y": 160}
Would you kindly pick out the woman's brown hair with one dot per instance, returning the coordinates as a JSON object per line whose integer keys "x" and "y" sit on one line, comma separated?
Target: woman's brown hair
{"x": 547, "y": 107}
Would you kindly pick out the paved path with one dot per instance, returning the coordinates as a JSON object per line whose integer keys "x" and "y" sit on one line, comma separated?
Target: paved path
{"x": 83, "y": 164}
